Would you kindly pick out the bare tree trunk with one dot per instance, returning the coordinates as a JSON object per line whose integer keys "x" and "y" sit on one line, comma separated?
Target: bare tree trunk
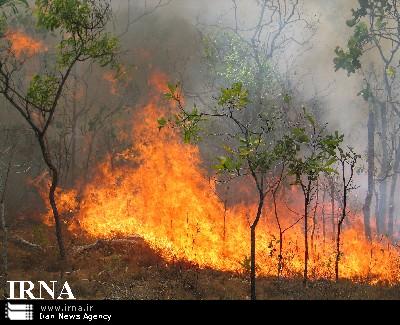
{"x": 382, "y": 204}
{"x": 4, "y": 227}
{"x": 74, "y": 128}
{"x": 371, "y": 167}
{"x": 73, "y": 144}
{"x": 280, "y": 256}
{"x": 393, "y": 192}
{"x": 89, "y": 156}
{"x": 52, "y": 190}
{"x": 323, "y": 219}
{"x": 253, "y": 263}
{"x": 306, "y": 254}
{"x": 314, "y": 221}
{"x": 253, "y": 248}
{"x": 332, "y": 194}
{"x": 4, "y": 253}
{"x": 225, "y": 209}
{"x": 339, "y": 228}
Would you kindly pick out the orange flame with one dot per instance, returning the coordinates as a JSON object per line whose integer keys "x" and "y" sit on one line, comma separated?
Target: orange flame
{"x": 162, "y": 194}
{"x": 21, "y": 44}
{"x": 116, "y": 79}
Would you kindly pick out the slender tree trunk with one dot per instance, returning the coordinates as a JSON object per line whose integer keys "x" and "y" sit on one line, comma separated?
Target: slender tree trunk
{"x": 314, "y": 222}
{"x": 382, "y": 204}
{"x": 280, "y": 256}
{"x": 253, "y": 263}
{"x": 377, "y": 205}
{"x": 253, "y": 248}
{"x": 225, "y": 209}
{"x": 306, "y": 254}
{"x": 89, "y": 156}
{"x": 339, "y": 229}
{"x": 4, "y": 252}
{"x": 323, "y": 219}
{"x": 52, "y": 190}
{"x": 73, "y": 145}
{"x": 371, "y": 167}
{"x": 332, "y": 194}
{"x": 74, "y": 127}
{"x": 4, "y": 226}
{"x": 393, "y": 192}
{"x": 339, "y": 225}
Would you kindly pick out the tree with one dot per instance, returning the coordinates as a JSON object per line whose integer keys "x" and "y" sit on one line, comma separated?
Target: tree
{"x": 251, "y": 149}
{"x": 347, "y": 159}
{"x": 274, "y": 191}
{"x": 254, "y": 53}
{"x": 4, "y": 227}
{"x": 376, "y": 24}
{"x": 317, "y": 156}
{"x": 81, "y": 26}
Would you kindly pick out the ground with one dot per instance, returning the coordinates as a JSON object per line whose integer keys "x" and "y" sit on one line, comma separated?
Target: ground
{"x": 132, "y": 270}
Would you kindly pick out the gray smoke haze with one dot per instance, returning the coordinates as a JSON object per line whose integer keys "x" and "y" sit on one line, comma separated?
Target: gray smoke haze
{"x": 169, "y": 39}
{"x": 173, "y": 31}
{"x": 171, "y": 34}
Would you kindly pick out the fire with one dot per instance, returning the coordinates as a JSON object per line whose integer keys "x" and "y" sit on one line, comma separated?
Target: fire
{"x": 21, "y": 44}
{"x": 161, "y": 192}
{"x": 110, "y": 78}
{"x": 115, "y": 78}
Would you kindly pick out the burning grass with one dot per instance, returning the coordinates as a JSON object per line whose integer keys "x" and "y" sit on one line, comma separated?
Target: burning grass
{"x": 161, "y": 193}
{"x": 121, "y": 271}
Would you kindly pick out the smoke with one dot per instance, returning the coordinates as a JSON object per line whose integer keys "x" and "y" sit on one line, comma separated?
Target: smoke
{"x": 168, "y": 38}
{"x": 171, "y": 34}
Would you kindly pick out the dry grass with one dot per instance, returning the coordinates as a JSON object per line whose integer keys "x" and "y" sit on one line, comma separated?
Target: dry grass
{"x": 123, "y": 271}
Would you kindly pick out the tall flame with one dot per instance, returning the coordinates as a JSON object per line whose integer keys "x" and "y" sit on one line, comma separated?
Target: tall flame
{"x": 161, "y": 192}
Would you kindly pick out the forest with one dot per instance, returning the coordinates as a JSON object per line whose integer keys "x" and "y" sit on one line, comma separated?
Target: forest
{"x": 201, "y": 150}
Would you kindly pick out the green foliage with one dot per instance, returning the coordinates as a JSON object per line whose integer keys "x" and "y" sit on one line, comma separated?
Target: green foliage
{"x": 383, "y": 12}
{"x": 82, "y": 24}
{"x": 13, "y": 5}
{"x": 299, "y": 135}
{"x": 67, "y": 15}
{"x": 189, "y": 123}
{"x": 172, "y": 91}
{"x": 250, "y": 152}
{"x": 391, "y": 72}
{"x": 162, "y": 122}
{"x": 42, "y": 91}
{"x": 287, "y": 98}
{"x": 9, "y": 8}
{"x": 349, "y": 59}
{"x": 310, "y": 152}
{"x": 236, "y": 96}
{"x": 229, "y": 58}
{"x": 366, "y": 93}
{"x": 229, "y": 164}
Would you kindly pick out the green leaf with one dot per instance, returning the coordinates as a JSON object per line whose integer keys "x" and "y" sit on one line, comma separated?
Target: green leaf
{"x": 391, "y": 72}
{"x": 287, "y": 99}
{"x": 236, "y": 97}
{"x": 42, "y": 91}
{"x": 300, "y": 135}
{"x": 366, "y": 93}
{"x": 162, "y": 122}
